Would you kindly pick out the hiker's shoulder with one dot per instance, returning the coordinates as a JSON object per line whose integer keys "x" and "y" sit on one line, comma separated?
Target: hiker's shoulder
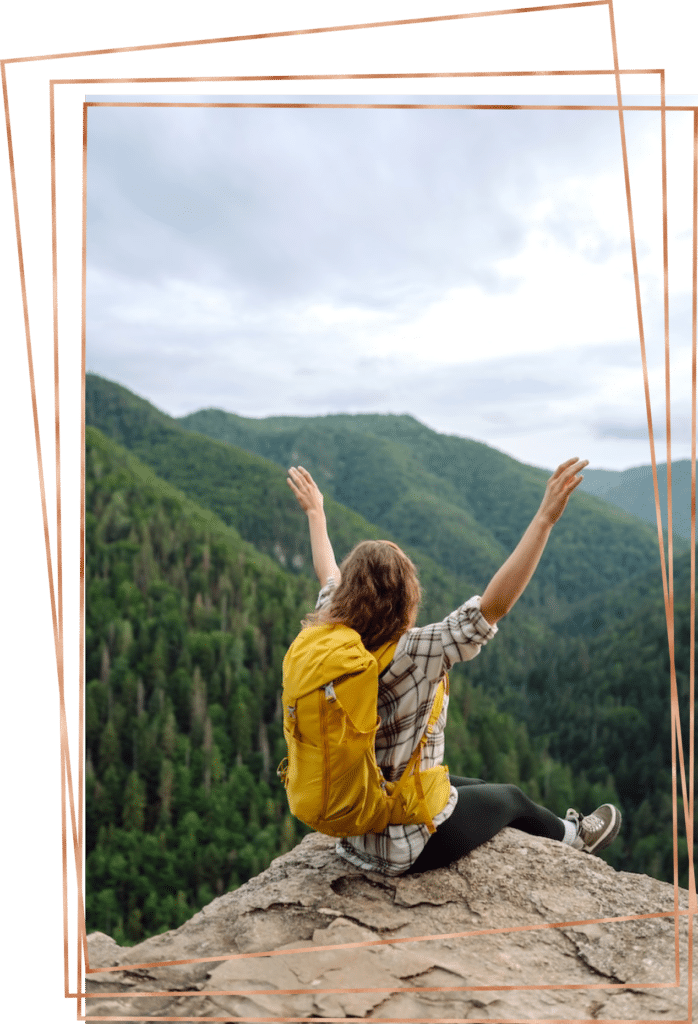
{"x": 465, "y": 627}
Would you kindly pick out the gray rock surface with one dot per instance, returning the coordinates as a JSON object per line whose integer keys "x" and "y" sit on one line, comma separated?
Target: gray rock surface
{"x": 310, "y": 900}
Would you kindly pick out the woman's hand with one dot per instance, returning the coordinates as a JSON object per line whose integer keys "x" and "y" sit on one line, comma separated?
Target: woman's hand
{"x": 559, "y": 487}
{"x": 307, "y": 492}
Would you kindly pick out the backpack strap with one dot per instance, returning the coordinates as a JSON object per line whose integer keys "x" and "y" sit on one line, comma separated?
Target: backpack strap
{"x": 413, "y": 765}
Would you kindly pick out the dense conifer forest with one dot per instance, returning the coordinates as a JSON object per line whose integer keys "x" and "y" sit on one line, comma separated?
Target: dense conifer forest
{"x": 602, "y": 700}
{"x": 186, "y": 629}
{"x": 194, "y": 591}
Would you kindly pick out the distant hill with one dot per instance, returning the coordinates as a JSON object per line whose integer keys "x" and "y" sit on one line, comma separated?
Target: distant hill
{"x": 633, "y": 491}
{"x": 461, "y": 502}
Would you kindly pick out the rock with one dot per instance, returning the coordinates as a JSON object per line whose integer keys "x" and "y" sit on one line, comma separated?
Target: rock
{"x": 310, "y": 901}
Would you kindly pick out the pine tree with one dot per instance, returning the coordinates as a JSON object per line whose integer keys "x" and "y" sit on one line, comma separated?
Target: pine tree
{"x": 133, "y": 813}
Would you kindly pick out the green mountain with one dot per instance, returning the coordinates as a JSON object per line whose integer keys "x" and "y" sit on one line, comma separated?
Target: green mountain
{"x": 247, "y": 492}
{"x": 633, "y": 491}
{"x": 456, "y": 506}
{"x": 563, "y": 684}
{"x": 461, "y": 502}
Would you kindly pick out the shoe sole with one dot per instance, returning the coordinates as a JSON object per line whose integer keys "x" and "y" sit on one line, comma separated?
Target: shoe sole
{"x": 607, "y": 837}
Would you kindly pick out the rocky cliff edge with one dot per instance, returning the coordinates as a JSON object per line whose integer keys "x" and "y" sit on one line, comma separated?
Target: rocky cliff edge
{"x": 310, "y": 901}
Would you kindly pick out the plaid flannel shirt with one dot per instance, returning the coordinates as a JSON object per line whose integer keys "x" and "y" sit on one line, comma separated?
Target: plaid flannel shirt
{"x": 405, "y": 697}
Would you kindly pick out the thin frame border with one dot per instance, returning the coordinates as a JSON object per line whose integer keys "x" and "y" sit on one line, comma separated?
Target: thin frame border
{"x": 55, "y": 596}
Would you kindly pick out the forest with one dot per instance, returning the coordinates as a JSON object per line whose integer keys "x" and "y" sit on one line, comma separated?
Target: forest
{"x": 197, "y": 575}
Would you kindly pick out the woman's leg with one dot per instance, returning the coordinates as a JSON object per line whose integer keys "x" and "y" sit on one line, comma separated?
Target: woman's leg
{"x": 483, "y": 809}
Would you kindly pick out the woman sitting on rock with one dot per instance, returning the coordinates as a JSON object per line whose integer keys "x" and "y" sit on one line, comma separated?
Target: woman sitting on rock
{"x": 377, "y": 593}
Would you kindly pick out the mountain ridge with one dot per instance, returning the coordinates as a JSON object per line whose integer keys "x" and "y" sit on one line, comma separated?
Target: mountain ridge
{"x": 633, "y": 490}
{"x": 384, "y": 481}
{"x": 629, "y": 490}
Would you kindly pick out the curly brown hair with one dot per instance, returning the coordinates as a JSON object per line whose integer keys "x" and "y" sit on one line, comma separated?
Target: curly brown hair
{"x": 378, "y": 595}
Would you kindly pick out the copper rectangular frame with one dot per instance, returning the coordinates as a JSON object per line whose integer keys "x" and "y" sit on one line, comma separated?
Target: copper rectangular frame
{"x": 460, "y": 934}
{"x": 524, "y": 928}
{"x": 667, "y": 582}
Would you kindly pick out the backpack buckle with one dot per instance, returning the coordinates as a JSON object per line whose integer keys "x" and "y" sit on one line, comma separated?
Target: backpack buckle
{"x": 291, "y": 708}
{"x": 329, "y": 692}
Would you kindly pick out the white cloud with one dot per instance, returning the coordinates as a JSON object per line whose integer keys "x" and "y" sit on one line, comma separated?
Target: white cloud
{"x": 474, "y": 271}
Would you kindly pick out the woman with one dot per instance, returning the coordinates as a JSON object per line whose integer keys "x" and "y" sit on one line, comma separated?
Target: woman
{"x": 377, "y": 593}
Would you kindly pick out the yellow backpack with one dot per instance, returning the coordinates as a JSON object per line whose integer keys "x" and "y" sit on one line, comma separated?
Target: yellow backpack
{"x": 332, "y": 780}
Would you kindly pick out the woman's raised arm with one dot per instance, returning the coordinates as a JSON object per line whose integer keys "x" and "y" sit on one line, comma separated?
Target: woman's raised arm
{"x": 508, "y": 583}
{"x": 309, "y": 498}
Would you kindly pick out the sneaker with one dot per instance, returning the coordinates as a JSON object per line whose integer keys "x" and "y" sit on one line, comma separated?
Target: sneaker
{"x": 595, "y": 831}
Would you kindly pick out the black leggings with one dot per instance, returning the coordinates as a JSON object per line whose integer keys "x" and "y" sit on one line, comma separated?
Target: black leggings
{"x": 483, "y": 809}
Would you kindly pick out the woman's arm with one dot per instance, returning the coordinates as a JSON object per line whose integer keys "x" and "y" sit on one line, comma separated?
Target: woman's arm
{"x": 508, "y": 583}
{"x": 309, "y": 498}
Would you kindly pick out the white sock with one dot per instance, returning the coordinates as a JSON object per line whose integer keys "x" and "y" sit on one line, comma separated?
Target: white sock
{"x": 570, "y": 831}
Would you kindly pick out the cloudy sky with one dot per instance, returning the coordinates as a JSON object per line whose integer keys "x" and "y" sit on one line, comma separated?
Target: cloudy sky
{"x": 471, "y": 268}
